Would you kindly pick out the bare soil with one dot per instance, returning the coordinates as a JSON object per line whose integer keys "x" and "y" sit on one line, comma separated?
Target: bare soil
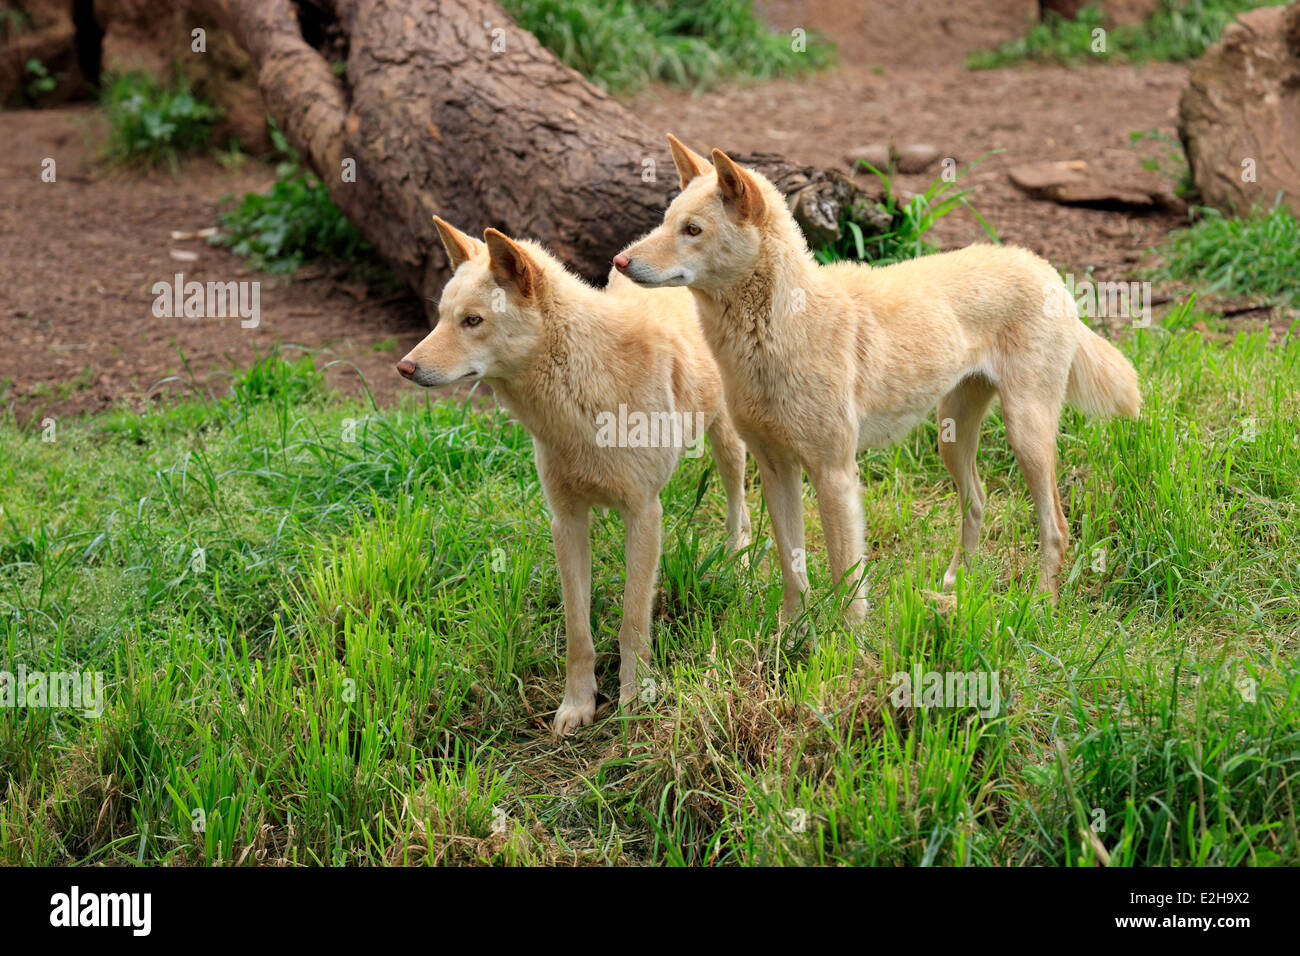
{"x": 79, "y": 256}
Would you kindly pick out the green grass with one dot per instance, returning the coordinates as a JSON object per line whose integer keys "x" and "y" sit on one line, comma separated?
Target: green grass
{"x": 1254, "y": 256}
{"x": 151, "y": 123}
{"x": 333, "y": 634}
{"x": 1178, "y": 30}
{"x": 1164, "y": 156}
{"x": 622, "y": 45}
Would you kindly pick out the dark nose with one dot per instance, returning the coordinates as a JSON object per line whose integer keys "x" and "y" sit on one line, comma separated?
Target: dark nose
{"x": 621, "y": 262}
{"x": 405, "y": 369}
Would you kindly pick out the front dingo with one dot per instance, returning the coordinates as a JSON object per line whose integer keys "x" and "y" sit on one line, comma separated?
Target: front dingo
{"x": 573, "y": 364}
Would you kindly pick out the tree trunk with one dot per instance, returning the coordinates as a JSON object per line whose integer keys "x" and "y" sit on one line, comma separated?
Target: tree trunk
{"x": 448, "y": 107}
{"x": 1069, "y": 9}
{"x": 44, "y": 31}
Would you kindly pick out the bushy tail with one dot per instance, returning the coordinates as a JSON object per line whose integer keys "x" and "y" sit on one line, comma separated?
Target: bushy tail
{"x": 1103, "y": 382}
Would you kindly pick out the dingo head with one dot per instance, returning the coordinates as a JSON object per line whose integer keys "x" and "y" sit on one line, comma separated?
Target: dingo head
{"x": 711, "y": 234}
{"x": 488, "y": 320}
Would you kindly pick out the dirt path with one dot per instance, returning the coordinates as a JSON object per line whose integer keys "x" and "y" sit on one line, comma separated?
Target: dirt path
{"x": 1031, "y": 115}
{"x": 78, "y": 257}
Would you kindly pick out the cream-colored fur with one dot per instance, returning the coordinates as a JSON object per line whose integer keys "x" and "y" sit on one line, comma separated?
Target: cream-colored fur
{"x": 559, "y": 354}
{"x": 820, "y": 362}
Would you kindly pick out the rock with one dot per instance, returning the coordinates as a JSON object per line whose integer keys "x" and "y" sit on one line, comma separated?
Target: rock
{"x": 877, "y": 154}
{"x": 1124, "y": 184}
{"x": 917, "y": 158}
{"x": 1237, "y": 116}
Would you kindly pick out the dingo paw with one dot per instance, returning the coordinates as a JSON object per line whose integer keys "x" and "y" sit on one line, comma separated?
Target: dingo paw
{"x": 574, "y": 713}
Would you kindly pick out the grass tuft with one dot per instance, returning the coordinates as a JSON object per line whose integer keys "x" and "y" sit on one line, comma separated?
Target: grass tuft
{"x": 151, "y": 123}
{"x": 1257, "y": 255}
{"x": 897, "y": 229}
{"x": 623, "y": 45}
{"x": 1177, "y": 30}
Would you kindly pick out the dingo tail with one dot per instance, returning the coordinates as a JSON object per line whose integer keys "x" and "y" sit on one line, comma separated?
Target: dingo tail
{"x": 1103, "y": 383}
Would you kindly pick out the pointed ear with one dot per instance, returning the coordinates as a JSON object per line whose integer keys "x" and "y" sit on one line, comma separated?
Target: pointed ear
{"x": 459, "y": 246}
{"x": 739, "y": 188}
{"x": 688, "y": 162}
{"x": 511, "y": 264}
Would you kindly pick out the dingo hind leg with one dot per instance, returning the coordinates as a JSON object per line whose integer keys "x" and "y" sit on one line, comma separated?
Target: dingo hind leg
{"x": 961, "y": 413}
{"x": 1031, "y": 431}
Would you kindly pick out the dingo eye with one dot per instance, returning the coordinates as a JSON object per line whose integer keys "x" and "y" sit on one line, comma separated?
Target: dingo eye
{"x": 692, "y": 229}
{"x": 472, "y": 320}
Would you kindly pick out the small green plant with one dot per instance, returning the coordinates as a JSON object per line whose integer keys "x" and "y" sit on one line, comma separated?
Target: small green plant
{"x": 1054, "y": 40}
{"x": 1177, "y": 30}
{"x": 232, "y": 158}
{"x": 292, "y": 222}
{"x": 1172, "y": 165}
{"x": 41, "y": 80}
{"x": 622, "y": 45}
{"x": 296, "y": 221}
{"x": 1255, "y": 256}
{"x": 908, "y": 223}
{"x": 152, "y": 123}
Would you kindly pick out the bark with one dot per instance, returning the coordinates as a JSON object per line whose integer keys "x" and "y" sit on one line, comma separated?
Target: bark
{"x": 448, "y": 107}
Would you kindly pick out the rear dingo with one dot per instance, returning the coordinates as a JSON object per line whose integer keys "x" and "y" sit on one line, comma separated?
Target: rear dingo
{"x": 614, "y": 386}
{"x": 820, "y": 362}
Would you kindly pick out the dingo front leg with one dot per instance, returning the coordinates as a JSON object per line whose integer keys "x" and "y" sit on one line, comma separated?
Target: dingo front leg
{"x": 782, "y": 477}
{"x": 839, "y": 500}
{"x": 644, "y": 526}
{"x": 1031, "y": 432}
{"x": 571, "y": 532}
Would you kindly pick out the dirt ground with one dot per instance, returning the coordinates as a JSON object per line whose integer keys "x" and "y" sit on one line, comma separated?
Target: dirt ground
{"x": 1031, "y": 115}
{"x": 78, "y": 257}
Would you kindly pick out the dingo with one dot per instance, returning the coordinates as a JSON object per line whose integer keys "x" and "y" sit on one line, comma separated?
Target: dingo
{"x": 566, "y": 359}
{"x": 819, "y": 362}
